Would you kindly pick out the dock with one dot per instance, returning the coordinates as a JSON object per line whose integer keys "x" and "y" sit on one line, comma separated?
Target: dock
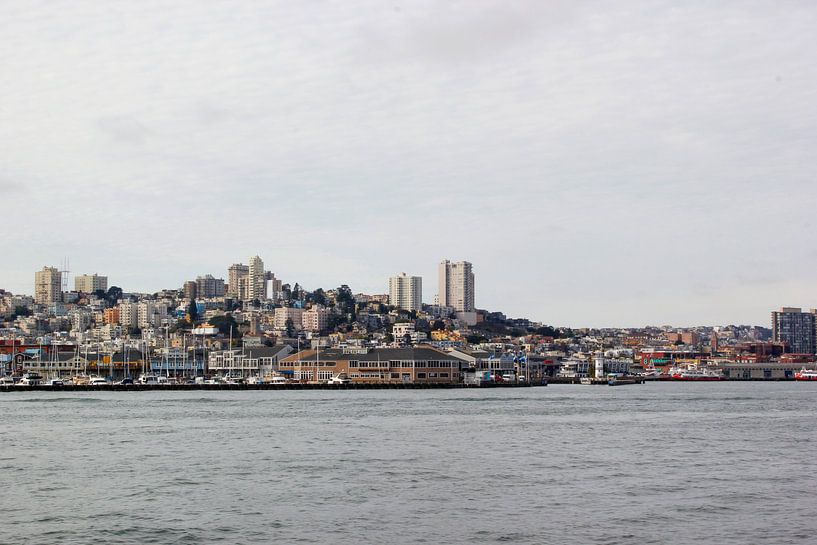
{"x": 233, "y": 387}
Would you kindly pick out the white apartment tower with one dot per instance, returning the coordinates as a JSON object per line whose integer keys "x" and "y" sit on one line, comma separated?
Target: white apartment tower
{"x": 406, "y": 292}
{"x": 257, "y": 280}
{"x": 48, "y": 285}
{"x": 456, "y": 283}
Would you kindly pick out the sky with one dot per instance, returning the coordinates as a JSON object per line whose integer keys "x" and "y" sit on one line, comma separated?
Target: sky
{"x": 601, "y": 164}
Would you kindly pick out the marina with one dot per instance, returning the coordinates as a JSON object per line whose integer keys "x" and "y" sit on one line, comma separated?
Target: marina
{"x": 96, "y": 385}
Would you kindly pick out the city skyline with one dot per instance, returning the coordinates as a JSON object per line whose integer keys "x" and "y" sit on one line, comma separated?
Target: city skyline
{"x": 648, "y": 164}
{"x": 402, "y": 290}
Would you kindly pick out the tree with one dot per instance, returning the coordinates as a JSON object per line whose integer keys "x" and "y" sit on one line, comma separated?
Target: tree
{"x": 192, "y": 311}
{"x": 407, "y": 339}
{"x": 20, "y": 310}
{"x": 547, "y": 331}
{"x": 334, "y": 321}
{"x": 438, "y": 325}
{"x": 345, "y": 301}
{"x": 290, "y": 328}
{"x": 113, "y": 296}
{"x": 225, "y": 324}
{"x": 319, "y": 297}
{"x": 181, "y": 323}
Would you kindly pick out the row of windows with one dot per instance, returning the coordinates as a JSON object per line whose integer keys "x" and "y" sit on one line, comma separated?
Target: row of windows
{"x": 397, "y": 375}
{"x": 405, "y": 364}
{"x": 312, "y": 364}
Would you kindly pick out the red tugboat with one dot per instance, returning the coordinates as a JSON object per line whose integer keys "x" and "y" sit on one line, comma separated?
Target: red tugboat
{"x": 806, "y": 374}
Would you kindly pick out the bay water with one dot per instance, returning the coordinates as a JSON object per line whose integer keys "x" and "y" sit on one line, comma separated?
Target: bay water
{"x": 729, "y": 462}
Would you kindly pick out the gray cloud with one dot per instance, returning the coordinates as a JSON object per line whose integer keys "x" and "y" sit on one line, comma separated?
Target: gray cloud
{"x": 599, "y": 163}
{"x": 124, "y": 129}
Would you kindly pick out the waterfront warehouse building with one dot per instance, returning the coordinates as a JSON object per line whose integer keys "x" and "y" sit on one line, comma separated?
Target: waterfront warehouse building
{"x": 422, "y": 364}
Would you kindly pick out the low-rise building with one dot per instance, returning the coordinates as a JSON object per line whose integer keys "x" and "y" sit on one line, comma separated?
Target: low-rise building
{"x": 422, "y": 364}
{"x": 256, "y": 360}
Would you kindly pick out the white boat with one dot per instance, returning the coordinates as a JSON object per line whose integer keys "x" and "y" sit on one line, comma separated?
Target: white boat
{"x": 55, "y": 382}
{"x": 228, "y": 379}
{"x": 340, "y": 378}
{"x": 6, "y": 381}
{"x": 80, "y": 380}
{"x": 696, "y": 373}
{"x": 30, "y": 379}
{"x": 806, "y": 374}
{"x": 276, "y": 379}
{"x": 98, "y": 381}
{"x": 586, "y": 380}
{"x": 148, "y": 379}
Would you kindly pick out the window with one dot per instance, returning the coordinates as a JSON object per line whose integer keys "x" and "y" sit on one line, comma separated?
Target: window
{"x": 421, "y": 375}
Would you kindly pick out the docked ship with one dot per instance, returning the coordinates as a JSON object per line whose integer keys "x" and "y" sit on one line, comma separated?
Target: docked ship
{"x": 694, "y": 373}
{"x": 806, "y": 374}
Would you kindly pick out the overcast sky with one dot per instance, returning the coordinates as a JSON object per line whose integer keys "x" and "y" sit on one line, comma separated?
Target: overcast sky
{"x": 600, "y": 163}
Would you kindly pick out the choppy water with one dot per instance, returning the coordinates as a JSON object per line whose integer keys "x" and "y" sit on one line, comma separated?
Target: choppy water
{"x": 659, "y": 463}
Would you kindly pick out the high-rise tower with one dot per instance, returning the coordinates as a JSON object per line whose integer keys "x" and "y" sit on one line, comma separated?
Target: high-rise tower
{"x": 257, "y": 280}
{"x": 48, "y": 285}
{"x": 456, "y": 284}
{"x": 406, "y": 292}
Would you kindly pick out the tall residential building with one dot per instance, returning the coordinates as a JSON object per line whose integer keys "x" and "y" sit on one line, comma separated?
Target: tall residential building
{"x": 207, "y": 286}
{"x": 282, "y": 314}
{"x": 89, "y": 283}
{"x": 456, "y": 284}
{"x": 274, "y": 286}
{"x": 315, "y": 319}
{"x": 796, "y": 328}
{"x": 235, "y": 273}
{"x": 406, "y": 292}
{"x": 111, "y": 315}
{"x": 141, "y": 314}
{"x": 190, "y": 289}
{"x": 48, "y": 285}
{"x": 128, "y": 314}
{"x": 257, "y": 280}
